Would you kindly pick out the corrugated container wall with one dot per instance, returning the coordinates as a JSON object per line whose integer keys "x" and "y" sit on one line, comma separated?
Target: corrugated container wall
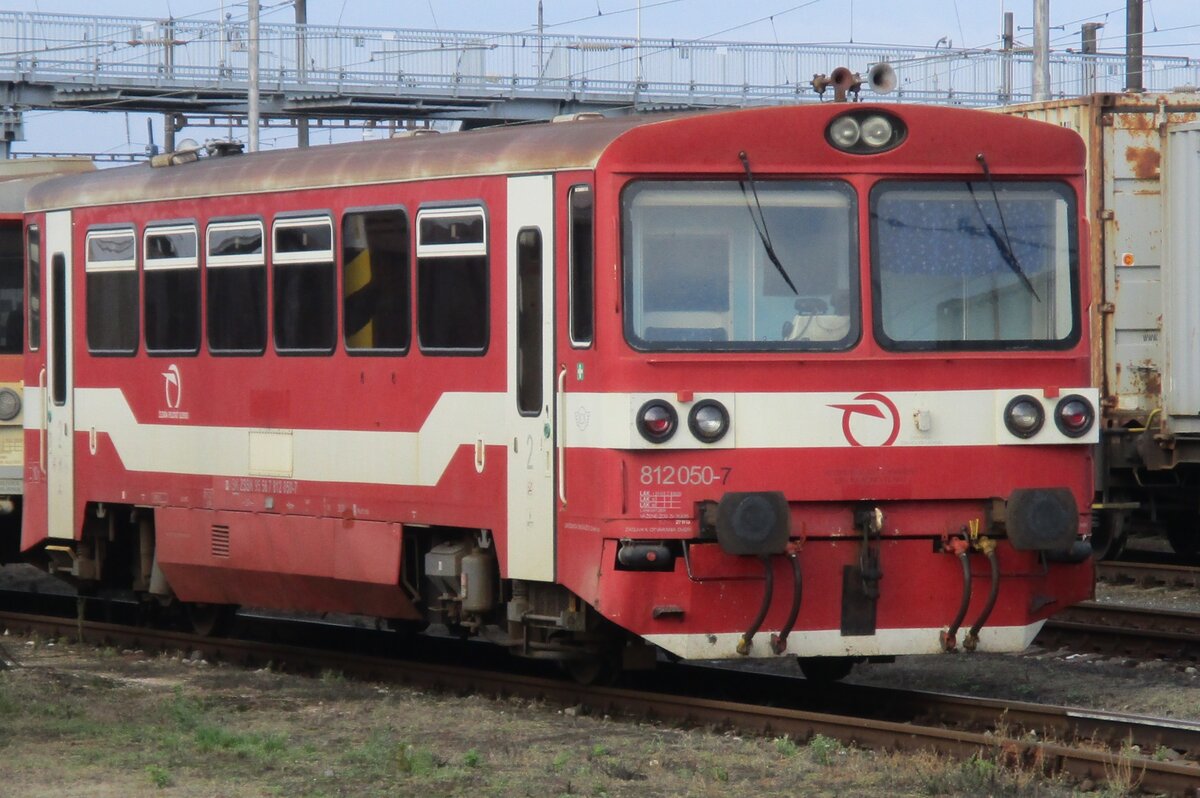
{"x": 1181, "y": 283}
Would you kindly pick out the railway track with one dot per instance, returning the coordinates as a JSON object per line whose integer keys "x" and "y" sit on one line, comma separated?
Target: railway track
{"x": 1081, "y": 743}
{"x": 1149, "y": 574}
{"x": 1117, "y": 630}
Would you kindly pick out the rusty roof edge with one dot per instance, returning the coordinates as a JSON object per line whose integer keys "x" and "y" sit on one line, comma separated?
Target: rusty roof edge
{"x": 512, "y": 150}
{"x": 1123, "y": 101}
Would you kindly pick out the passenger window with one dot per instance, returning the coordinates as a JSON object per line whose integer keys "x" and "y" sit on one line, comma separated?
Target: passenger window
{"x": 452, "y": 280}
{"x": 58, "y": 329}
{"x": 529, "y": 321}
{"x": 112, "y": 292}
{"x": 305, "y": 285}
{"x": 12, "y": 300}
{"x": 33, "y": 255}
{"x": 235, "y": 270}
{"x": 172, "y": 302}
{"x": 581, "y": 266}
{"x": 375, "y": 310}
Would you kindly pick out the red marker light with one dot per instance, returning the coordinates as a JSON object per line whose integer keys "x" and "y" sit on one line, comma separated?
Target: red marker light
{"x": 1074, "y": 416}
{"x": 657, "y": 421}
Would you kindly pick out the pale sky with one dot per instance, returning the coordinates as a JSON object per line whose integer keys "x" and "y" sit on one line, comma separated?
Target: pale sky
{"x": 1172, "y": 28}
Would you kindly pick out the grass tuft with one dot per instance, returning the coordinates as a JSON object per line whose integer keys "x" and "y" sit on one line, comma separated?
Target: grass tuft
{"x": 786, "y": 746}
{"x": 159, "y": 776}
{"x": 822, "y": 749}
{"x": 415, "y": 761}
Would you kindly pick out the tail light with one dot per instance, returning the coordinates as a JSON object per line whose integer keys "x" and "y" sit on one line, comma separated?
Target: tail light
{"x": 1074, "y": 416}
{"x": 656, "y": 420}
{"x": 1024, "y": 416}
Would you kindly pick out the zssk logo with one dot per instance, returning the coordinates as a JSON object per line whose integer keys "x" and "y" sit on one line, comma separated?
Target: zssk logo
{"x": 870, "y": 420}
{"x": 174, "y": 386}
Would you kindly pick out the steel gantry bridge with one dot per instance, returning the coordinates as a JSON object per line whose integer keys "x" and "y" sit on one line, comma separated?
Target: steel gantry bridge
{"x": 186, "y": 67}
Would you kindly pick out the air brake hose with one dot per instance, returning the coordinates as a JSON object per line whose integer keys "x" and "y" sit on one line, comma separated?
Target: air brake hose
{"x": 988, "y": 547}
{"x": 779, "y": 642}
{"x": 950, "y": 636}
{"x": 743, "y": 646}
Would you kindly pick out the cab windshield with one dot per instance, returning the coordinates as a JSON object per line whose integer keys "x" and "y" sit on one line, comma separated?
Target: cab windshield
{"x": 974, "y": 265}
{"x": 699, "y": 273}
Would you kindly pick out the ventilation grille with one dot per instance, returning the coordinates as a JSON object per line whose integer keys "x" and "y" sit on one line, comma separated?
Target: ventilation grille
{"x": 220, "y": 541}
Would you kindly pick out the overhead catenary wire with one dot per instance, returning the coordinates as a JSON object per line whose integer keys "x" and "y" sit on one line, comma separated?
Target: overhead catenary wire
{"x": 955, "y": 63}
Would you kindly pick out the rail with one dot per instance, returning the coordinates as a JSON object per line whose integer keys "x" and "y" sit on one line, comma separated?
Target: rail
{"x": 1135, "y": 632}
{"x": 1149, "y": 574}
{"x": 992, "y": 725}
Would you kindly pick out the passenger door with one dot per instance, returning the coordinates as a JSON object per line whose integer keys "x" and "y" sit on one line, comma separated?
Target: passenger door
{"x": 58, "y": 419}
{"x": 530, "y": 348}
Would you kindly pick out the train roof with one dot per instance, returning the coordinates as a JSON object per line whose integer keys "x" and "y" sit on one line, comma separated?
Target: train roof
{"x": 536, "y": 148}
{"x": 18, "y": 176}
{"x": 501, "y": 150}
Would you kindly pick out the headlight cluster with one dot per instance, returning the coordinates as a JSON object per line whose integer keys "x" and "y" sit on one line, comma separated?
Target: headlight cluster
{"x": 865, "y": 132}
{"x": 1024, "y": 416}
{"x": 10, "y": 404}
{"x": 708, "y": 420}
{"x": 1073, "y": 415}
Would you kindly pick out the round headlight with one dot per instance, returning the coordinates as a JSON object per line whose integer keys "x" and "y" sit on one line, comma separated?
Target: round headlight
{"x": 10, "y": 404}
{"x": 709, "y": 421}
{"x": 876, "y": 131}
{"x": 1024, "y": 416}
{"x": 844, "y": 132}
{"x": 1074, "y": 416}
{"x": 656, "y": 420}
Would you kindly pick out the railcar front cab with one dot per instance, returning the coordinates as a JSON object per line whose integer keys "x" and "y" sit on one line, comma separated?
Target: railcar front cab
{"x": 970, "y": 268}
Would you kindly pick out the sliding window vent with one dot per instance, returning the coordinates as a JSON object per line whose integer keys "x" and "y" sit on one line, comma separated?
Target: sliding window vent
{"x": 220, "y": 541}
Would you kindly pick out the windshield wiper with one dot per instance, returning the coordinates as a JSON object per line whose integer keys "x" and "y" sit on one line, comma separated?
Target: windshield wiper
{"x": 764, "y": 235}
{"x": 1004, "y": 245}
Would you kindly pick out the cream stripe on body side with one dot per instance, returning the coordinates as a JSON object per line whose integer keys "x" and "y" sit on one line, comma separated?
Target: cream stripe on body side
{"x": 592, "y": 421}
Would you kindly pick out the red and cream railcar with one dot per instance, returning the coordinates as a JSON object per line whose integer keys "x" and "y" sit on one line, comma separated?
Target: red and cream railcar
{"x": 16, "y": 178}
{"x": 806, "y": 380}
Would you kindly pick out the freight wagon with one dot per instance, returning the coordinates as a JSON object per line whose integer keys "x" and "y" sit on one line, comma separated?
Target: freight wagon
{"x": 1143, "y": 206}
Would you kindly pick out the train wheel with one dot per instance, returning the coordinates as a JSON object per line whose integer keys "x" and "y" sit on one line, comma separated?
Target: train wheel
{"x": 1183, "y": 534}
{"x": 825, "y": 669}
{"x": 157, "y": 613}
{"x": 210, "y": 620}
{"x": 1109, "y": 536}
{"x": 594, "y": 669}
{"x": 406, "y": 629}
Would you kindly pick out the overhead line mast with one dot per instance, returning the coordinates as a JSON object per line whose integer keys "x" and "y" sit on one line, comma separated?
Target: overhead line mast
{"x": 1041, "y": 50}
{"x": 253, "y": 113}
